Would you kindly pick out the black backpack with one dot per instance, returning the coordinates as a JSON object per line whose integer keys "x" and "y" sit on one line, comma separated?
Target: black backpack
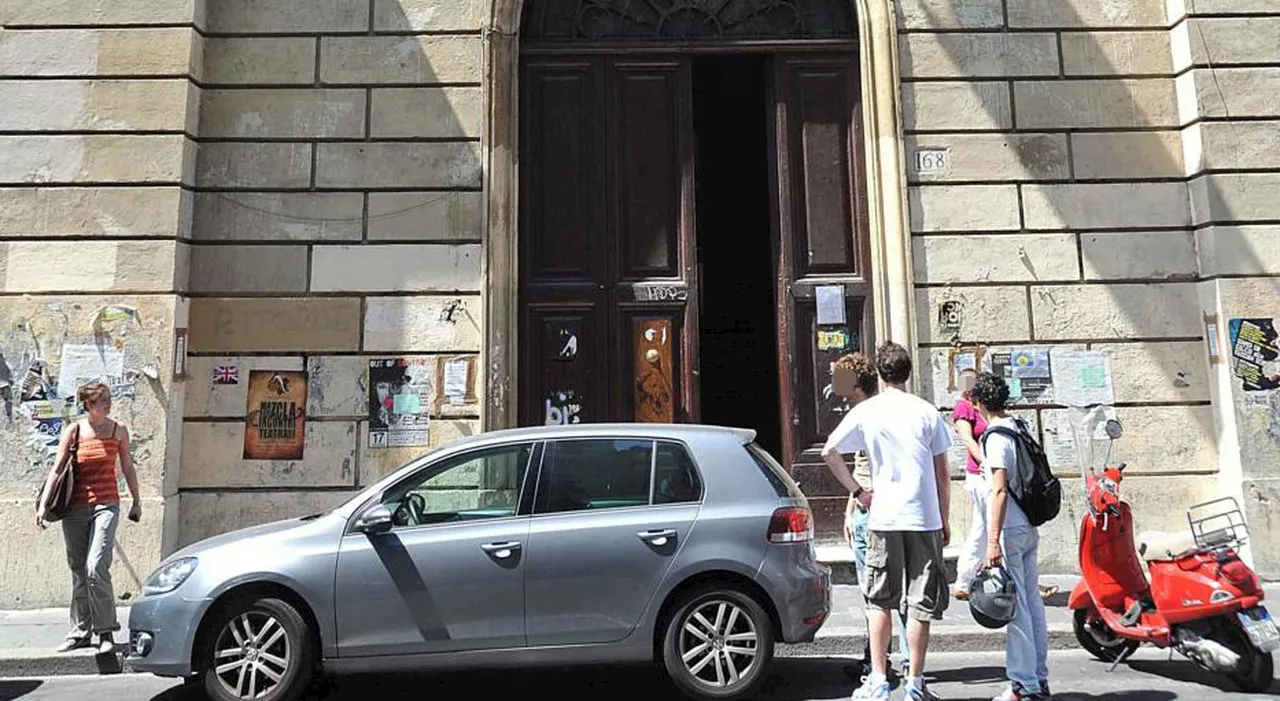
{"x": 1033, "y": 486}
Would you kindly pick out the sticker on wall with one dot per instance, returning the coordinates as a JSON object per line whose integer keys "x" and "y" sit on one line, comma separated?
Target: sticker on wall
{"x": 400, "y": 394}
{"x": 226, "y": 374}
{"x": 562, "y": 341}
{"x": 833, "y": 340}
{"x": 1254, "y": 354}
{"x": 562, "y": 408}
{"x": 275, "y": 417}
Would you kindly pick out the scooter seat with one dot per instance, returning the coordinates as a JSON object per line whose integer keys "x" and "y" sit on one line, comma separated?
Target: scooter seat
{"x": 1159, "y": 545}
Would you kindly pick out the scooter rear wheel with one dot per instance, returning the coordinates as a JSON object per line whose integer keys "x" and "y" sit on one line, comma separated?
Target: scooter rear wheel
{"x": 1094, "y": 635}
{"x": 1257, "y": 667}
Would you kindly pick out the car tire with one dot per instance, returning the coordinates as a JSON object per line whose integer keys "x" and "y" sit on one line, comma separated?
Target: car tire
{"x": 259, "y": 649}
{"x": 718, "y": 644}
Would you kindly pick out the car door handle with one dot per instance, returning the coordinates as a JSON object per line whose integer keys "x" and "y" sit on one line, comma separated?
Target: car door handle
{"x": 501, "y": 550}
{"x": 657, "y": 538}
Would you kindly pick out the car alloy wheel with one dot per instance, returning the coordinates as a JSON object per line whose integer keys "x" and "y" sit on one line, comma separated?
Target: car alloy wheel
{"x": 252, "y": 655}
{"x": 258, "y": 649}
{"x": 718, "y": 643}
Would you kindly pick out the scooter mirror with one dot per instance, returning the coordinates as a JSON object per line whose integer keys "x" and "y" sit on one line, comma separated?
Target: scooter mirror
{"x": 1114, "y": 429}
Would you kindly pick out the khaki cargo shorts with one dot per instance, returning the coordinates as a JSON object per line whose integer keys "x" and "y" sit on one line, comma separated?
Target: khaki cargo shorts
{"x": 910, "y": 557}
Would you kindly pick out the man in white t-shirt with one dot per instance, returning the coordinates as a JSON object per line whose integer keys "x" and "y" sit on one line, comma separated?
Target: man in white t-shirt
{"x": 1012, "y": 539}
{"x": 906, "y": 440}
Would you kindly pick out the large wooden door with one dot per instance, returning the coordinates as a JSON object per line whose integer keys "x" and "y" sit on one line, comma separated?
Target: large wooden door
{"x": 824, "y": 250}
{"x": 608, "y": 281}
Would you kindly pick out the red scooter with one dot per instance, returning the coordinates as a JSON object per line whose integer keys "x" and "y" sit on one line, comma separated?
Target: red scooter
{"x": 1199, "y": 597}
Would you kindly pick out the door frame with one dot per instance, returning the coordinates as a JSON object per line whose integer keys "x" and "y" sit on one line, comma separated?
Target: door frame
{"x": 884, "y": 169}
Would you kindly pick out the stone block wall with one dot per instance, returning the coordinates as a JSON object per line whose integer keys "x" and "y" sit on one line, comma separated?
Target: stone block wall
{"x": 337, "y": 218}
{"x": 97, "y": 118}
{"x": 1064, "y": 221}
{"x": 1227, "y": 55}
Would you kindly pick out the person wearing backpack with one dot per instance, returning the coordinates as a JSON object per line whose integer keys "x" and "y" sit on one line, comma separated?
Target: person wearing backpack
{"x": 1021, "y": 499}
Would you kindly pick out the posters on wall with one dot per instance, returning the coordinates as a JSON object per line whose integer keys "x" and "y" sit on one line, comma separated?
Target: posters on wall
{"x": 275, "y": 418}
{"x": 400, "y": 395}
{"x": 1083, "y": 377}
{"x": 1254, "y": 356}
{"x": 85, "y": 363}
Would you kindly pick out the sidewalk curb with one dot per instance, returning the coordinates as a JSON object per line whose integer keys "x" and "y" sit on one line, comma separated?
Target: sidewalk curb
{"x": 839, "y": 643}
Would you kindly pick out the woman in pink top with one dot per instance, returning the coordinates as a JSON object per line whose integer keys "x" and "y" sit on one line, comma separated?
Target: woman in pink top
{"x": 970, "y": 426}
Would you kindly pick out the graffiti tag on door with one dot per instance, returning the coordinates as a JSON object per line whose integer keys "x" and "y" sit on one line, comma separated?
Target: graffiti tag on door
{"x": 562, "y": 408}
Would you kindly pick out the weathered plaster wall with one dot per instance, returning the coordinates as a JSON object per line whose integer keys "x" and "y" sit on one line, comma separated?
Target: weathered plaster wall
{"x": 96, "y": 119}
{"x": 337, "y": 218}
{"x": 1064, "y": 221}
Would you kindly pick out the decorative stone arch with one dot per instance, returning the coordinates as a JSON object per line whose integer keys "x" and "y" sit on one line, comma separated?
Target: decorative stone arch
{"x": 886, "y": 192}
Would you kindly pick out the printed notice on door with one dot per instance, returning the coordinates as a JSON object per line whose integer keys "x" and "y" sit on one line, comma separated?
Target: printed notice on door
{"x": 275, "y": 419}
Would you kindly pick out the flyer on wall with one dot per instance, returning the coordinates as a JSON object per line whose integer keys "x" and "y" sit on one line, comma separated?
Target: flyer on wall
{"x": 275, "y": 418}
{"x": 400, "y": 395}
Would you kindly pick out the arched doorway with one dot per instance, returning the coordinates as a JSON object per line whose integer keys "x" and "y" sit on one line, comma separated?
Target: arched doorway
{"x": 693, "y": 214}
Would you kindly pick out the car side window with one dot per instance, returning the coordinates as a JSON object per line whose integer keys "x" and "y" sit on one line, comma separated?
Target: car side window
{"x": 675, "y": 479}
{"x": 592, "y": 474}
{"x": 477, "y": 485}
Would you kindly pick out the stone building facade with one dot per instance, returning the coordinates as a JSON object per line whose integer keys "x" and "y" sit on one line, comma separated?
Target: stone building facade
{"x": 202, "y": 188}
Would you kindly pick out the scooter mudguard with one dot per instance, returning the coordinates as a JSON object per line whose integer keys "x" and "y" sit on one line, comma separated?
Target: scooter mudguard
{"x": 1080, "y": 598}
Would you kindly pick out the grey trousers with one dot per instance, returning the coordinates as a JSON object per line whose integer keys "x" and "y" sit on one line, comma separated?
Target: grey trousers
{"x": 90, "y": 535}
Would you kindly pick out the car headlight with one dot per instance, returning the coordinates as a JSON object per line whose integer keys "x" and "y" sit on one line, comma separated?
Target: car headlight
{"x": 169, "y": 576}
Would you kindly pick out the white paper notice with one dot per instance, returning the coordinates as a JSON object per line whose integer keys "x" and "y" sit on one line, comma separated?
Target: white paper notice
{"x": 85, "y": 363}
{"x": 1082, "y": 378}
{"x": 455, "y": 378}
{"x": 831, "y": 304}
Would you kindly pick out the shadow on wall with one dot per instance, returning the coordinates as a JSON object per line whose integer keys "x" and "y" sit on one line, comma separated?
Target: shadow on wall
{"x": 1125, "y": 198}
{"x": 346, "y": 136}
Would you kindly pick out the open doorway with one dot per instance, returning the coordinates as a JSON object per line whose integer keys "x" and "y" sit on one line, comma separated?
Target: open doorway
{"x": 738, "y": 338}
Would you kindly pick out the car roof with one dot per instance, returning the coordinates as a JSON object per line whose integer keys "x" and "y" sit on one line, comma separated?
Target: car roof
{"x": 607, "y": 430}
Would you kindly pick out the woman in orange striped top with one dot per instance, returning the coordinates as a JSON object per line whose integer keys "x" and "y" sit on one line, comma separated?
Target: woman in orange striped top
{"x": 89, "y": 528}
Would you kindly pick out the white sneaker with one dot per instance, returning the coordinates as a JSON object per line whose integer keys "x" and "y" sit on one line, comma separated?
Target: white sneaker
{"x": 872, "y": 690}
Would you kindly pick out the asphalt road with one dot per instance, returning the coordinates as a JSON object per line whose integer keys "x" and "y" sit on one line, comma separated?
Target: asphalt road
{"x": 1151, "y": 676}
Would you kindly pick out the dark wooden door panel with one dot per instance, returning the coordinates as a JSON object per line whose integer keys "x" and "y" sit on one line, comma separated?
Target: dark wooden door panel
{"x": 565, "y": 365}
{"x": 607, "y": 239}
{"x": 820, "y": 96}
{"x": 824, "y": 243}
{"x": 563, "y": 203}
{"x": 646, "y": 142}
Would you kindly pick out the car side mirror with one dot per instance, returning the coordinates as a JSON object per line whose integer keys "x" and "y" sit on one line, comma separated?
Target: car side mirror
{"x": 375, "y": 521}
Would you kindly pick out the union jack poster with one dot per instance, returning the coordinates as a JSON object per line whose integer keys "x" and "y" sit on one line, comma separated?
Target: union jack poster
{"x": 226, "y": 375}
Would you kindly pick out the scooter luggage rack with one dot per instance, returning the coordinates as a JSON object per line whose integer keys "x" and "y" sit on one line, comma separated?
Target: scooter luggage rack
{"x": 1217, "y": 523}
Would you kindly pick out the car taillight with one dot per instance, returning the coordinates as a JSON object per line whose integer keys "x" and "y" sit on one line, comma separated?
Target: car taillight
{"x": 791, "y": 524}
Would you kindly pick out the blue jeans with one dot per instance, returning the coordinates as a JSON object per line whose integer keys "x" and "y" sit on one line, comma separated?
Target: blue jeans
{"x": 860, "y": 520}
{"x": 1027, "y": 646}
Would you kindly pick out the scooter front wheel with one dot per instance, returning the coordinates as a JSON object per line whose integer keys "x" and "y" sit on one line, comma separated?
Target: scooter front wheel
{"x": 1093, "y": 635}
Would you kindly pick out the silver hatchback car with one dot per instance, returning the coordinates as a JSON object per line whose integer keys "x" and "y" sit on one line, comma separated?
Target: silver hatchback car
{"x": 558, "y": 545}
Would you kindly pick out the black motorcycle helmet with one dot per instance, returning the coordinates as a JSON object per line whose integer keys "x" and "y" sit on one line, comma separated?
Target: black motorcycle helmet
{"x": 993, "y": 597}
